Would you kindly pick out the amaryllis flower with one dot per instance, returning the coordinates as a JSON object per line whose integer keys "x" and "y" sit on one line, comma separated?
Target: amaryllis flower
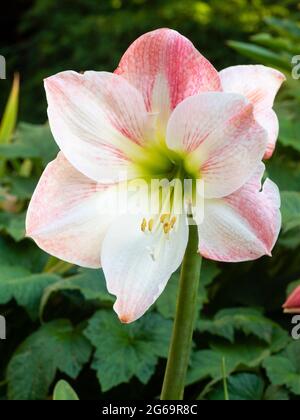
{"x": 164, "y": 113}
{"x": 292, "y": 304}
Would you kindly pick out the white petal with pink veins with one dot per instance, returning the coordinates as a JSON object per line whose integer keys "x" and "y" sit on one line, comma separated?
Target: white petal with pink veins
{"x": 260, "y": 85}
{"x": 167, "y": 68}
{"x": 243, "y": 226}
{"x": 69, "y": 214}
{"x": 99, "y": 121}
{"x": 137, "y": 265}
{"x": 224, "y": 142}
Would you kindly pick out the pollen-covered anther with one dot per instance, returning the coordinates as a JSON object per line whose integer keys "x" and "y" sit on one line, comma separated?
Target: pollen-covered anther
{"x": 150, "y": 225}
{"x": 167, "y": 227}
{"x": 164, "y": 218}
{"x": 147, "y": 225}
{"x": 143, "y": 225}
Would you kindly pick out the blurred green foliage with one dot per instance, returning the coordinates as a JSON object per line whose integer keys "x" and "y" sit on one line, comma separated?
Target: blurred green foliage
{"x": 88, "y": 34}
{"x": 60, "y": 322}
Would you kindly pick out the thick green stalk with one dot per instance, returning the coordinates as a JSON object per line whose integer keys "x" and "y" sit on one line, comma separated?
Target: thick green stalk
{"x": 181, "y": 341}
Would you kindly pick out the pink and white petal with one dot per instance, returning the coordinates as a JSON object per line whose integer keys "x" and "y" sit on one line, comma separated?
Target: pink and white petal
{"x": 260, "y": 85}
{"x": 269, "y": 121}
{"x": 243, "y": 226}
{"x": 223, "y": 140}
{"x": 98, "y": 120}
{"x": 292, "y": 304}
{"x": 137, "y": 265}
{"x": 166, "y": 67}
{"x": 69, "y": 214}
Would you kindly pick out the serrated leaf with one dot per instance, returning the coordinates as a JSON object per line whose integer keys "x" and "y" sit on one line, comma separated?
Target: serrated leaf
{"x": 55, "y": 346}
{"x": 64, "y": 392}
{"x": 208, "y": 363}
{"x": 248, "y": 320}
{"x": 248, "y": 352}
{"x": 284, "y": 369}
{"x": 18, "y": 283}
{"x": 124, "y": 351}
{"x": 241, "y": 387}
{"x": 90, "y": 283}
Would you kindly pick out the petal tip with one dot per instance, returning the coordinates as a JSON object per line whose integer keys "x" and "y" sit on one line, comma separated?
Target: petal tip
{"x": 292, "y": 304}
{"x": 291, "y": 310}
{"x": 125, "y": 318}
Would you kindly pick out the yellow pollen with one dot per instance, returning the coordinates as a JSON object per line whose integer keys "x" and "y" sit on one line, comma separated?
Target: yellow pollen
{"x": 167, "y": 227}
{"x": 163, "y": 218}
{"x": 150, "y": 225}
{"x": 144, "y": 225}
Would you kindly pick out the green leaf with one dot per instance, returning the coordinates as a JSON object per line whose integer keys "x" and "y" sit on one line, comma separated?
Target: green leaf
{"x": 208, "y": 363}
{"x": 26, "y": 254}
{"x": 276, "y": 393}
{"x": 292, "y": 286}
{"x": 246, "y": 352}
{"x": 64, "y": 392}
{"x": 262, "y": 55}
{"x": 13, "y": 224}
{"x": 9, "y": 118}
{"x": 18, "y": 283}
{"x": 90, "y": 283}
{"x": 290, "y": 210}
{"x": 289, "y": 132}
{"x": 32, "y": 368}
{"x": 166, "y": 303}
{"x": 124, "y": 351}
{"x": 31, "y": 141}
{"x": 248, "y": 320}
{"x": 241, "y": 387}
{"x": 21, "y": 187}
{"x": 285, "y": 26}
{"x": 284, "y": 172}
{"x": 274, "y": 43}
{"x": 284, "y": 369}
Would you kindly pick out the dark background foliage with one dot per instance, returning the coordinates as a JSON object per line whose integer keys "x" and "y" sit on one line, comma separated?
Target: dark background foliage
{"x": 44, "y": 37}
{"x": 60, "y": 323}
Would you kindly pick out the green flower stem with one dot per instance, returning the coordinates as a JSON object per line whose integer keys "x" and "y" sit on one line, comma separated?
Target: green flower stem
{"x": 181, "y": 341}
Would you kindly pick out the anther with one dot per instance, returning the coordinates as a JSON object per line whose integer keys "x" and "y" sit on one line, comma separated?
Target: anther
{"x": 163, "y": 218}
{"x": 167, "y": 227}
{"x": 173, "y": 221}
{"x": 150, "y": 225}
{"x": 144, "y": 225}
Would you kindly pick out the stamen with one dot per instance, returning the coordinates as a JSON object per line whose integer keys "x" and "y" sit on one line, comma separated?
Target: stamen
{"x": 164, "y": 217}
{"x": 150, "y": 225}
{"x": 144, "y": 225}
{"x": 167, "y": 227}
